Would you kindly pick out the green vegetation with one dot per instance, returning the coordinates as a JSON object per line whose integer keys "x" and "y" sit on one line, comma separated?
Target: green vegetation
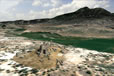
{"x": 99, "y": 44}
{"x": 20, "y": 29}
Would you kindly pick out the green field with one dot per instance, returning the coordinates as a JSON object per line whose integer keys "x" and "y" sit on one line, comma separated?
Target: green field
{"x": 99, "y": 44}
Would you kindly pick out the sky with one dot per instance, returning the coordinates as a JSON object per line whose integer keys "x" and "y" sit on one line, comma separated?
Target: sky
{"x": 37, "y": 9}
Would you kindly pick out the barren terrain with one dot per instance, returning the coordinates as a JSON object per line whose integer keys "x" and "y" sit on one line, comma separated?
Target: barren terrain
{"x": 80, "y": 43}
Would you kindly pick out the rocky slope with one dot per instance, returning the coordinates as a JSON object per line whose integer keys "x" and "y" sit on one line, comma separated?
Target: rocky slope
{"x": 15, "y": 52}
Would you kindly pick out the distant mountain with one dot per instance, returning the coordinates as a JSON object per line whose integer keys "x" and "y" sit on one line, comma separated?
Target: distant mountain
{"x": 85, "y": 22}
{"x": 79, "y": 15}
{"x": 85, "y": 13}
{"x": 25, "y": 22}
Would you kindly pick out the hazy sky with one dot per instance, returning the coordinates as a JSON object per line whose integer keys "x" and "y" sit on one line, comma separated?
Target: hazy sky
{"x": 36, "y": 9}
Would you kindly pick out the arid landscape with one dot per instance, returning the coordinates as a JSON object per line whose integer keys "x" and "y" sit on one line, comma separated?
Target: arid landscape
{"x": 80, "y": 43}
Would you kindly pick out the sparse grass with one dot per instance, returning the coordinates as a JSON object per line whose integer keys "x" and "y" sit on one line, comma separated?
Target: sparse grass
{"x": 99, "y": 44}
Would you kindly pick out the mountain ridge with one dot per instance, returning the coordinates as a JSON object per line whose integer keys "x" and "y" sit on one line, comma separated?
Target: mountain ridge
{"x": 82, "y": 13}
{"x": 88, "y": 13}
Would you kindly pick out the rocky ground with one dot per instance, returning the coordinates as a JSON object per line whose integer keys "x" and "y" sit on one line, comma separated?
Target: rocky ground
{"x": 69, "y": 61}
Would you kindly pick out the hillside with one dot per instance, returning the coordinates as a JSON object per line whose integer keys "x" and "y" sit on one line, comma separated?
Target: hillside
{"x": 20, "y": 56}
{"x": 85, "y": 22}
{"x": 85, "y": 12}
